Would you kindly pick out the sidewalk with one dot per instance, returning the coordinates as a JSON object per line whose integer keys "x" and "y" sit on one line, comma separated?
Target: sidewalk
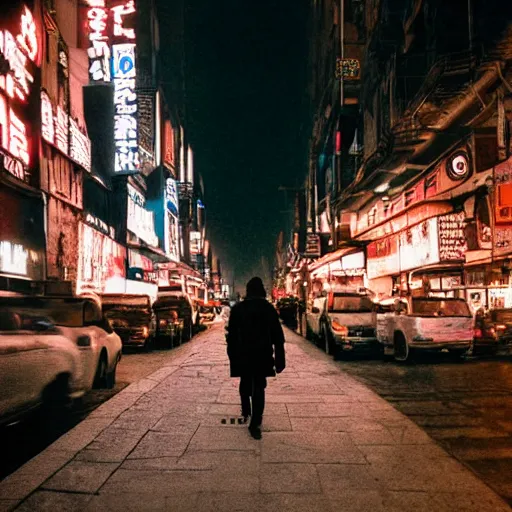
{"x": 166, "y": 443}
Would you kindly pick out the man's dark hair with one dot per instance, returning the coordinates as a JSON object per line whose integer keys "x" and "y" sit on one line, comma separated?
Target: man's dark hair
{"x": 255, "y": 288}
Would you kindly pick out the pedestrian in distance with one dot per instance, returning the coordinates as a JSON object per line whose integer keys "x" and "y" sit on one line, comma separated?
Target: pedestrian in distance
{"x": 255, "y": 345}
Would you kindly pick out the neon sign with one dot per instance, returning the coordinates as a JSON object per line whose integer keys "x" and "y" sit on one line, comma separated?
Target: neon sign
{"x": 119, "y": 12}
{"x": 99, "y": 48}
{"x": 125, "y": 108}
{"x": 63, "y": 131}
{"x": 20, "y": 51}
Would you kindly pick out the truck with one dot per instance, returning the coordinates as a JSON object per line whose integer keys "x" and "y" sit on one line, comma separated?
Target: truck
{"x": 408, "y": 325}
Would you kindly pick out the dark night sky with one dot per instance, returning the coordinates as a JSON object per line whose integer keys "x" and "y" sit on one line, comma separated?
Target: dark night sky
{"x": 246, "y": 91}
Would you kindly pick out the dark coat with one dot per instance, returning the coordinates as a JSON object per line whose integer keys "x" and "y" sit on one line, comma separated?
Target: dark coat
{"x": 255, "y": 339}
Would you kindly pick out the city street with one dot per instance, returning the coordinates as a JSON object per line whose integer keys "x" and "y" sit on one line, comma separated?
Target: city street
{"x": 465, "y": 406}
{"x": 171, "y": 441}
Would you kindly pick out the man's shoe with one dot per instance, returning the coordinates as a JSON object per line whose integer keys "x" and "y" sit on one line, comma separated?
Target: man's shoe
{"x": 255, "y": 432}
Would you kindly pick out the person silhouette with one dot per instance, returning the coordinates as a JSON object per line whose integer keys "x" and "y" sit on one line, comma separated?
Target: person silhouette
{"x": 255, "y": 347}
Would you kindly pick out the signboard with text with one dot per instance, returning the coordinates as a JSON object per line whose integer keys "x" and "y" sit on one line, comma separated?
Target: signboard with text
{"x": 19, "y": 89}
{"x": 452, "y": 240}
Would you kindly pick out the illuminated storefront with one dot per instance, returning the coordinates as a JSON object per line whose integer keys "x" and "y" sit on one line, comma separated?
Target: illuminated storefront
{"x": 22, "y": 235}
{"x": 22, "y": 242}
{"x": 101, "y": 265}
{"x": 344, "y": 269}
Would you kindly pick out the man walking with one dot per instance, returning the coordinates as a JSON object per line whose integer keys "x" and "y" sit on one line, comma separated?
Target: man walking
{"x": 255, "y": 349}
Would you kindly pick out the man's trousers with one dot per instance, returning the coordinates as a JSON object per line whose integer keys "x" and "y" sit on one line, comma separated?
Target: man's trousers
{"x": 252, "y": 389}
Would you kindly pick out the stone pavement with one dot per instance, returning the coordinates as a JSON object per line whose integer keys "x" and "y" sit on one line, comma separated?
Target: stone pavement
{"x": 167, "y": 443}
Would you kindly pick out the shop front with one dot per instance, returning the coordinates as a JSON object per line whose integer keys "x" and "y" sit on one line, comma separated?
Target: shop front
{"x": 101, "y": 263}
{"x": 424, "y": 259}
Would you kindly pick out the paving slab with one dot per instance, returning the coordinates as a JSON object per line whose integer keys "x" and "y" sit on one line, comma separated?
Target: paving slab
{"x": 80, "y": 476}
{"x": 49, "y": 501}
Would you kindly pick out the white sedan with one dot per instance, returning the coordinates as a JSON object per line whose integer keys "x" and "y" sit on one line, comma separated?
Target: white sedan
{"x": 82, "y": 321}
{"x": 38, "y": 365}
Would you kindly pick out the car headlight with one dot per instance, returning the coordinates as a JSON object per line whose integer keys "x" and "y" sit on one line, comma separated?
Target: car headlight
{"x": 145, "y": 332}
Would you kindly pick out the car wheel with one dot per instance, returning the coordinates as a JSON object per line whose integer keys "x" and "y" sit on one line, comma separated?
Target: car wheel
{"x": 326, "y": 338}
{"x": 100, "y": 380}
{"x": 457, "y": 354}
{"x": 149, "y": 344}
{"x": 401, "y": 352}
{"x": 110, "y": 380}
{"x": 187, "y": 330}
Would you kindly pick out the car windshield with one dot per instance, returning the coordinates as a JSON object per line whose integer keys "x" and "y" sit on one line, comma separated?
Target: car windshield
{"x": 120, "y": 301}
{"x": 440, "y": 307}
{"x": 502, "y": 316}
{"x": 351, "y": 303}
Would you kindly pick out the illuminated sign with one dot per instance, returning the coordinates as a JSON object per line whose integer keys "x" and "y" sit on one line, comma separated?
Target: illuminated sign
{"x": 452, "y": 238}
{"x": 119, "y": 12}
{"x": 419, "y": 245}
{"x": 171, "y": 237}
{"x": 141, "y": 222}
{"x": 168, "y": 146}
{"x": 171, "y": 196}
{"x": 348, "y": 69}
{"x": 98, "y": 49}
{"x": 195, "y": 242}
{"x": 100, "y": 225}
{"x": 125, "y": 108}
{"x": 13, "y": 258}
{"x": 20, "y": 51}
{"x": 101, "y": 262}
{"x": 63, "y": 132}
{"x": 382, "y": 257}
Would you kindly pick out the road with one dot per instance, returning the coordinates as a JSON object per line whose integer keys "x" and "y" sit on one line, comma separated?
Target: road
{"x": 466, "y": 406}
{"x": 20, "y": 442}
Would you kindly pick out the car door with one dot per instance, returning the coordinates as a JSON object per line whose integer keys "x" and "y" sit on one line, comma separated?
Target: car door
{"x": 24, "y": 361}
{"x": 316, "y": 312}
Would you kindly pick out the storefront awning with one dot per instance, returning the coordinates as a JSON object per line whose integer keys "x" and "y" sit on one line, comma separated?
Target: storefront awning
{"x": 332, "y": 256}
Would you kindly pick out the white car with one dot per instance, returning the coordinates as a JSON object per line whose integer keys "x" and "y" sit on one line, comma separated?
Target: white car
{"x": 408, "y": 324}
{"x": 82, "y": 321}
{"x": 38, "y": 365}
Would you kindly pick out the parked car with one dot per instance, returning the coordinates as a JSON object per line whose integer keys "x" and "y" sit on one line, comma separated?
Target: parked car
{"x": 132, "y": 318}
{"x": 38, "y": 365}
{"x": 493, "y": 331}
{"x": 173, "y": 320}
{"x": 206, "y": 312}
{"x": 176, "y": 290}
{"x": 81, "y": 320}
{"x": 343, "y": 323}
{"x": 408, "y": 324}
{"x": 287, "y": 307}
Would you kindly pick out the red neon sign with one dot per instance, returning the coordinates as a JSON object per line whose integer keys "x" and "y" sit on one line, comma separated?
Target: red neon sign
{"x": 19, "y": 51}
